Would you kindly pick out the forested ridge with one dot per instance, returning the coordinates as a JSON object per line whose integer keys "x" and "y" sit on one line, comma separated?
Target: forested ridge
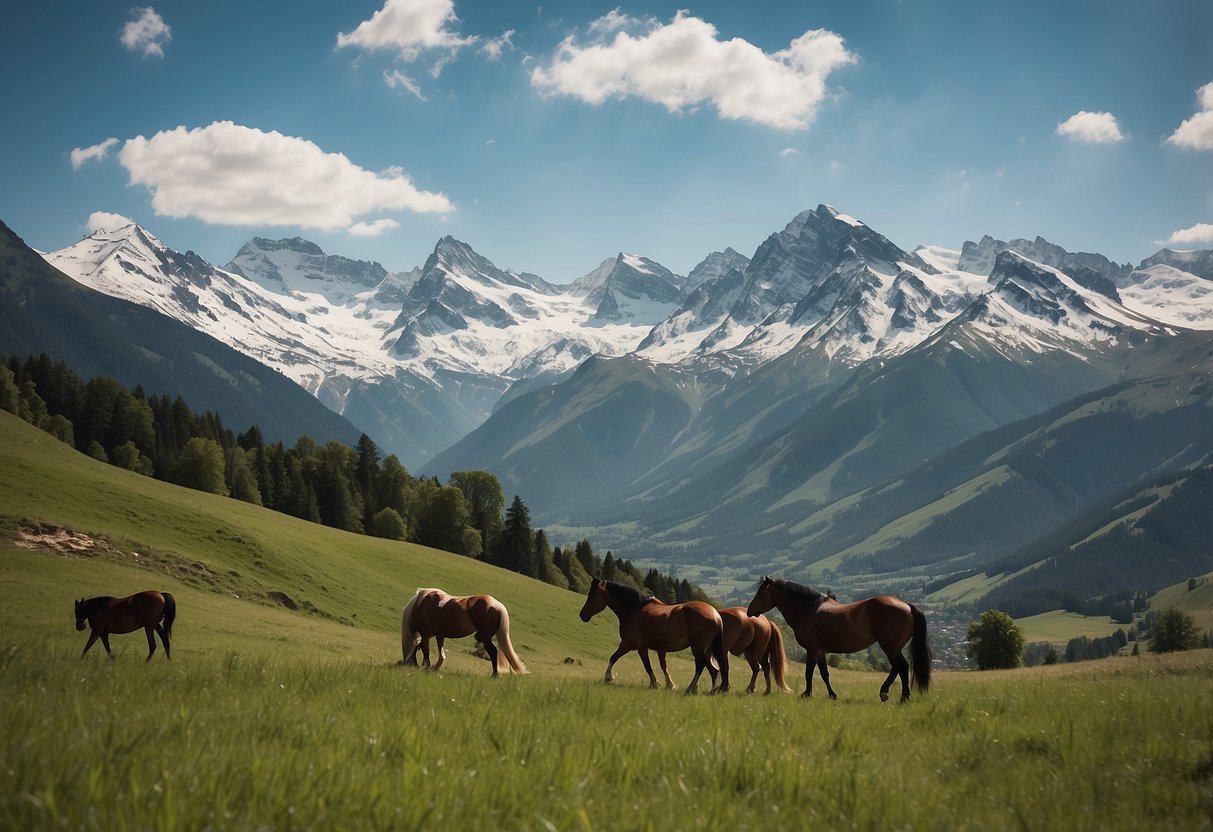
{"x": 352, "y": 488}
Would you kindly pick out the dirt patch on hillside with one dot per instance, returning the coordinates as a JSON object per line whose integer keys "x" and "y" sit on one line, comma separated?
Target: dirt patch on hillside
{"x": 37, "y": 536}
{"x": 63, "y": 541}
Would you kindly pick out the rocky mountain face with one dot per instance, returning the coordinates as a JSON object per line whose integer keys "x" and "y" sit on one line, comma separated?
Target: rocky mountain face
{"x": 759, "y": 411}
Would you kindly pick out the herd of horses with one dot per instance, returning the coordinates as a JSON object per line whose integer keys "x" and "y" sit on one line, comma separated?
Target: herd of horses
{"x": 820, "y": 622}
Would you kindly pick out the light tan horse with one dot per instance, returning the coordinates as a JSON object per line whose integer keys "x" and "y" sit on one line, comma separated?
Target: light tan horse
{"x": 433, "y": 613}
{"x": 760, "y": 641}
{"x": 822, "y": 625}
{"x": 647, "y": 624}
{"x": 153, "y": 611}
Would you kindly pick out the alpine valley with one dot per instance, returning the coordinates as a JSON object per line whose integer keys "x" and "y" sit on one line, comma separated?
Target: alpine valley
{"x": 833, "y": 408}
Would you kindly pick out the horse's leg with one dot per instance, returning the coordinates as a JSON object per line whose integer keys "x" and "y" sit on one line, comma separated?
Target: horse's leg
{"x": 809, "y": 667}
{"x": 92, "y": 639}
{"x": 425, "y": 651}
{"x": 105, "y": 642}
{"x": 755, "y": 666}
{"x": 648, "y": 667}
{"x": 701, "y": 661}
{"x": 900, "y": 667}
{"x": 438, "y": 640}
{"x": 609, "y": 676}
{"x": 150, "y": 631}
{"x": 825, "y": 675}
{"x": 168, "y": 654}
{"x": 486, "y": 639}
{"x": 669, "y": 683}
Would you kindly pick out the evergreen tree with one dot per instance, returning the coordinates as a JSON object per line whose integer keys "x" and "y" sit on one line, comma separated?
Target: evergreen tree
{"x": 366, "y": 475}
{"x": 10, "y": 398}
{"x": 516, "y": 546}
{"x": 485, "y": 499}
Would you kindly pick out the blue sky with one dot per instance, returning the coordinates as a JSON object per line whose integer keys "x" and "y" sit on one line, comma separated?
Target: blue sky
{"x": 594, "y": 128}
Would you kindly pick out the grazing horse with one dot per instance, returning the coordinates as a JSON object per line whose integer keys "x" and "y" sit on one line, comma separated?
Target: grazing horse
{"x": 432, "y": 612}
{"x": 153, "y": 611}
{"x": 648, "y": 624}
{"x": 822, "y": 625}
{"x": 760, "y": 641}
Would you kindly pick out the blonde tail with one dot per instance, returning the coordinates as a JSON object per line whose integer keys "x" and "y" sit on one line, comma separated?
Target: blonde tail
{"x": 778, "y": 657}
{"x": 505, "y": 649}
{"x": 409, "y": 640}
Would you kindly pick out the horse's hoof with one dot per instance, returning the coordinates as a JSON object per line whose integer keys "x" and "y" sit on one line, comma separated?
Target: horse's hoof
{"x": 884, "y": 697}
{"x": 833, "y": 696}
{"x": 905, "y": 699}
{"x": 806, "y": 695}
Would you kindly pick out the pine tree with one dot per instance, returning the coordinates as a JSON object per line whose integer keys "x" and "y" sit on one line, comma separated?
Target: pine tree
{"x": 516, "y": 546}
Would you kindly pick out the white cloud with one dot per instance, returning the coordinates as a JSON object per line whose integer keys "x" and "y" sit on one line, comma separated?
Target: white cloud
{"x": 1202, "y": 232}
{"x": 99, "y": 151}
{"x": 374, "y": 228}
{"x": 1095, "y": 128}
{"x": 146, "y": 31}
{"x": 394, "y": 78}
{"x": 493, "y": 47}
{"x": 789, "y": 151}
{"x": 410, "y": 26}
{"x": 228, "y": 174}
{"x": 683, "y": 64}
{"x": 1196, "y": 133}
{"x": 107, "y": 221}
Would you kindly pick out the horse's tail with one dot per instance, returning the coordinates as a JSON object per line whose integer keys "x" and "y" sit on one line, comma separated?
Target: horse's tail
{"x": 408, "y": 633}
{"x": 170, "y": 613}
{"x": 920, "y": 651}
{"x": 778, "y": 657}
{"x": 505, "y": 648}
{"x": 720, "y": 653}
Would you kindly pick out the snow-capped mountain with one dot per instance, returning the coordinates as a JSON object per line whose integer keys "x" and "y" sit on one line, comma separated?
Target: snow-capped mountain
{"x": 415, "y": 357}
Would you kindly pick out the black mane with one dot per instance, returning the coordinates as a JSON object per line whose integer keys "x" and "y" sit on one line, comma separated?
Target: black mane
{"x": 627, "y": 596}
{"x": 806, "y": 592}
{"x": 91, "y": 603}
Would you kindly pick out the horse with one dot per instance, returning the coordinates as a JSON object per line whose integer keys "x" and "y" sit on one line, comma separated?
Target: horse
{"x": 646, "y": 623}
{"x": 760, "y": 641}
{"x": 433, "y": 613}
{"x": 822, "y": 625}
{"x": 152, "y": 610}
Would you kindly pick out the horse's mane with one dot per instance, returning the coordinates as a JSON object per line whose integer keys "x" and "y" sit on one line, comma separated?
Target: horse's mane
{"x": 806, "y": 592}
{"x": 628, "y": 597}
{"x": 94, "y": 602}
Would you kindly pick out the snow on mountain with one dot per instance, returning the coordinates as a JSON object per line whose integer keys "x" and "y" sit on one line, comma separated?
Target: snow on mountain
{"x": 296, "y": 265}
{"x": 980, "y": 257}
{"x": 634, "y": 290}
{"x": 1035, "y": 308}
{"x": 318, "y": 345}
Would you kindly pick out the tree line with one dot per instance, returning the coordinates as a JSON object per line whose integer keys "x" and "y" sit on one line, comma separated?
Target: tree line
{"x": 357, "y": 489}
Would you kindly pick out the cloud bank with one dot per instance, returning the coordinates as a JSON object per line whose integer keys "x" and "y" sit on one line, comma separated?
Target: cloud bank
{"x": 409, "y": 26}
{"x": 1092, "y": 128}
{"x": 107, "y": 221}
{"x": 146, "y": 32}
{"x": 1196, "y": 133}
{"x": 684, "y": 64}
{"x": 228, "y": 174}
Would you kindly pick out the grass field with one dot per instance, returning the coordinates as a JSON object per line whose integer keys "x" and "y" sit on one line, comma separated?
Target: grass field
{"x": 268, "y": 718}
{"x": 1059, "y": 626}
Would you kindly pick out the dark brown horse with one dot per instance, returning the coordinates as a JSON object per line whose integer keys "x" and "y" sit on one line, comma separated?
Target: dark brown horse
{"x": 822, "y": 625}
{"x": 648, "y": 624}
{"x": 433, "y": 613}
{"x": 153, "y": 611}
{"x": 760, "y": 641}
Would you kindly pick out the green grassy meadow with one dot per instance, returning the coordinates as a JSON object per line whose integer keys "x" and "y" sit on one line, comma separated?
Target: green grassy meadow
{"x": 278, "y": 719}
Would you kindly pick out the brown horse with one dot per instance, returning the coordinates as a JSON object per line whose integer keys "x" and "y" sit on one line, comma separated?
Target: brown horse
{"x": 153, "y": 611}
{"x": 433, "y": 613}
{"x": 822, "y": 625}
{"x": 647, "y": 624}
{"x": 760, "y": 641}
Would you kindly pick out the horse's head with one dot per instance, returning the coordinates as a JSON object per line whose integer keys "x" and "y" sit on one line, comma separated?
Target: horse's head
{"x": 81, "y": 614}
{"x": 595, "y": 601}
{"x": 763, "y": 599}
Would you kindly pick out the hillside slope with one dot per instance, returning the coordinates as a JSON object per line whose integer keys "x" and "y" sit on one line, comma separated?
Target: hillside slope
{"x": 226, "y": 557}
